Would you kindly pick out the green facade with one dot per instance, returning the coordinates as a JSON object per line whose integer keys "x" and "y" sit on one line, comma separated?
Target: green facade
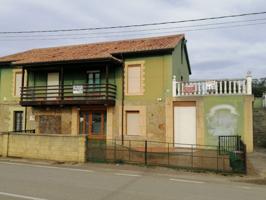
{"x": 223, "y": 115}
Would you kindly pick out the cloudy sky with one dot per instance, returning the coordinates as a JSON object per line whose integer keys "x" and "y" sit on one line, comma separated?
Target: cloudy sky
{"x": 217, "y": 53}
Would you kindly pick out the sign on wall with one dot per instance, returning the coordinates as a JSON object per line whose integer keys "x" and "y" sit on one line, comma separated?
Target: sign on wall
{"x": 77, "y": 89}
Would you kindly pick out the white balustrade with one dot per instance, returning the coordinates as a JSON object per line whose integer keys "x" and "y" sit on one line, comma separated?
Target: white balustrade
{"x": 213, "y": 87}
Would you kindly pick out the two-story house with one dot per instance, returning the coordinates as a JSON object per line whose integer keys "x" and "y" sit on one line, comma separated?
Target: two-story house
{"x": 124, "y": 90}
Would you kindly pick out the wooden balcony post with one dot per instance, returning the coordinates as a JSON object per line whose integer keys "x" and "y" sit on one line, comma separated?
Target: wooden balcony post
{"x": 61, "y": 88}
{"x": 249, "y": 83}
{"x": 22, "y": 84}
{"x": 174, "y": 86}
{"x": 106, "y": 81}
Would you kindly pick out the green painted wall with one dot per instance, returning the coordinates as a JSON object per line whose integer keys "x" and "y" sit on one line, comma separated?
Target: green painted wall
{"x": 180, "y": 64}
{"x": 77, "y": 76}
{"x": 158, "y": 82}
{"x": 223, "y": 115}
{"x": 7, "y": 85}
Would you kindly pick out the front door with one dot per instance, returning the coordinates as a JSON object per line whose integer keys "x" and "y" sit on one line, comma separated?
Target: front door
{"x": 93, "y": 124}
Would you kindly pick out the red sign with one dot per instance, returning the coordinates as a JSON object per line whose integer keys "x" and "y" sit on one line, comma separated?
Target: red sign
{"x": 189, "y": 88}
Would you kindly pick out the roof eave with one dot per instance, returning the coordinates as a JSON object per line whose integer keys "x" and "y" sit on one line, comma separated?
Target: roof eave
{"x": 107, "y": 59}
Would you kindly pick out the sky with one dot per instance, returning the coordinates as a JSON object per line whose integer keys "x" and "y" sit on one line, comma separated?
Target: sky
{"x": 213, "y": 54}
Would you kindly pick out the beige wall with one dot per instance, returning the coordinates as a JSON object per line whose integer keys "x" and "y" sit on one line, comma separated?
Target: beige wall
{"x": 47, "y": 147}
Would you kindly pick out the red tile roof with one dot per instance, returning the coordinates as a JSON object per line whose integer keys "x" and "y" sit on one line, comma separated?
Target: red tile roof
{"x": 104, "y": 50}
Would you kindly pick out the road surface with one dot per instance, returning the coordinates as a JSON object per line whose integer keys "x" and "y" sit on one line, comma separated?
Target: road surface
{"x": 46, "y": 182}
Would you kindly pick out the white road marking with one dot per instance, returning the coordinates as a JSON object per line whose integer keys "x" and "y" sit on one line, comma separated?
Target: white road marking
{"x": 47, "y": 167}
{"x": 20, "y": 196}
{"x": 133, "y": 175}
{"x": 186, "y": 181}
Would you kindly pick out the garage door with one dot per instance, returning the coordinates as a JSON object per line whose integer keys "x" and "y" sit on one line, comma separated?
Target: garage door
{"x": 185, "y": 123}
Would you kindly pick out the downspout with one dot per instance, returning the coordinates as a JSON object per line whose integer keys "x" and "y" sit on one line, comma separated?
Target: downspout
{"x": 25, "y": 121}
{"x": 123, "y": 98}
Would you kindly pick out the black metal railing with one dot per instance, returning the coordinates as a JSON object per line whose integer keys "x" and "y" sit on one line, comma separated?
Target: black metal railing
{"x": 21, "y": 131}
{"x": 152, "y": 153}
{"x": 228, "y": 143}
{"x": 88, "y": 92}
{"x": 235, "y": 148}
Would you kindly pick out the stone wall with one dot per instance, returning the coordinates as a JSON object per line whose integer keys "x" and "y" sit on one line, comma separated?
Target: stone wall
{"x": 63, "y": 148}
{"x": 259, "y": 116}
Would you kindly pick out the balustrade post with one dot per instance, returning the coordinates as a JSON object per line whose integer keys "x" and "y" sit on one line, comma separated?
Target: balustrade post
{"x": 174, "y": 87}
{"x": 249, "y": 83}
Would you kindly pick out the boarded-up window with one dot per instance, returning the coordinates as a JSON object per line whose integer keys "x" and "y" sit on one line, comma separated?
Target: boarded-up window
{"x": 133, "y": 123}
{"x": 49, "y": 124}
{"x": 134, "y": 79}
{"x": 18, "y": 82}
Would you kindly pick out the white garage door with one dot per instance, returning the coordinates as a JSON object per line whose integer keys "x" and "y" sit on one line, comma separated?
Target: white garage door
{"x": 185, "y": 125}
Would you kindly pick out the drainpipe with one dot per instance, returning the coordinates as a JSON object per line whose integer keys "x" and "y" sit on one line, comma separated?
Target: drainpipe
{"x": 25, "y": 121}
{"x": 123, "y": 97}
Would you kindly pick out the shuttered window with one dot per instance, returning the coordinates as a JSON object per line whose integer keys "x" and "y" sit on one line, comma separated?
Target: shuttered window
{"x": 18, "y": 82}
{"x": 133, "y": 123}
{"x": 18, "y": 120}
{"x": 134, "y": 79}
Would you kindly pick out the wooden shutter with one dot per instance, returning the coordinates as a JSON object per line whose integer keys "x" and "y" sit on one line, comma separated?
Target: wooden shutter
{"x": 18, "y": 84}
{"x": 134, "y": 79}
{"x": 133, "y": 123}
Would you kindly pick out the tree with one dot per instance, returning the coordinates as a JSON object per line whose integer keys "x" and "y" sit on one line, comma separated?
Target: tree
{"x": 259, "y": 87}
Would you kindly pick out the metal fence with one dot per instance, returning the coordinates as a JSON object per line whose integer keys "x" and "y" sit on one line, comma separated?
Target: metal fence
{"x": 22, "y": 131}
{"x": 152, "y": 153}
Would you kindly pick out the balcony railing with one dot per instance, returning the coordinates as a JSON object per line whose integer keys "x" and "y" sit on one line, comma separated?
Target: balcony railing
{"x": 69, "y": 94}
{"x": 213, "y": 87}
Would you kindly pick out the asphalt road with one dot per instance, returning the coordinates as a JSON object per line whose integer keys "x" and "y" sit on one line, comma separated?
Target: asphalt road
{"x": 40, "y": 182}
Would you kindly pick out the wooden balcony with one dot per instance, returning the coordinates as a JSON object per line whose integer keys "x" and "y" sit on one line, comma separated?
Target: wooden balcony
{"x": 212, "y": 87}
{"x": 83, "y": 94}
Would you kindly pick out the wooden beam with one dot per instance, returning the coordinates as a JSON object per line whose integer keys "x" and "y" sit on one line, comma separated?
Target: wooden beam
{"x": 62, "y": 77}
{"x": 107, "y": 80}
{"x": 22, "y": 84}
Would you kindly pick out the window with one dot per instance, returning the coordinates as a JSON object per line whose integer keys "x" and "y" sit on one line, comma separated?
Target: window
{"x": 18, "y": 82}
{"x": 134, "y": 78}
{"x": 18, "y": 121}
{"x": 133, "y": 123}
{"x": 94, "y": 77}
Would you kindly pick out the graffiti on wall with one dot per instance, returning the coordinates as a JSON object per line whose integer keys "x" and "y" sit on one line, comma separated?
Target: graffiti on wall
{"x": 222, "y": 120}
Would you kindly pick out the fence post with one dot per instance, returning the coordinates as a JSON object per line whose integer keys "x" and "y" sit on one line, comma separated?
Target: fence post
{"x": 115, "y": 151}
{"x": 146, "y": 152}
{"x": 168, "y": 156}
{"x": 219, "y": 145}
{"x": 192, "y": 156}
{"x": 245, "y": 158}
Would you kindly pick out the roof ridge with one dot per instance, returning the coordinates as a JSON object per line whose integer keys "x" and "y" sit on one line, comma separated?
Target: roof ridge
{"x": 106, "y": 42}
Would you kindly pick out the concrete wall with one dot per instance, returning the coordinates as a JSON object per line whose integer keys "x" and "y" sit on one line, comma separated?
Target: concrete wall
{"x": 217, "y": 115}
{"x": 48, "y": 147}
{"x": 259, "y": 116}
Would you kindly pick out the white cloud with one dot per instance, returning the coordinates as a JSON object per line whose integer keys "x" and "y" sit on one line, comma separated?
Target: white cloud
{"x": 223, "y": 52}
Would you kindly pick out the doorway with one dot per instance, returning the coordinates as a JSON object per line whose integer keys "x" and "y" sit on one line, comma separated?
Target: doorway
{"x": 185, "y": 123}
{"x": 93, "y": 123}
